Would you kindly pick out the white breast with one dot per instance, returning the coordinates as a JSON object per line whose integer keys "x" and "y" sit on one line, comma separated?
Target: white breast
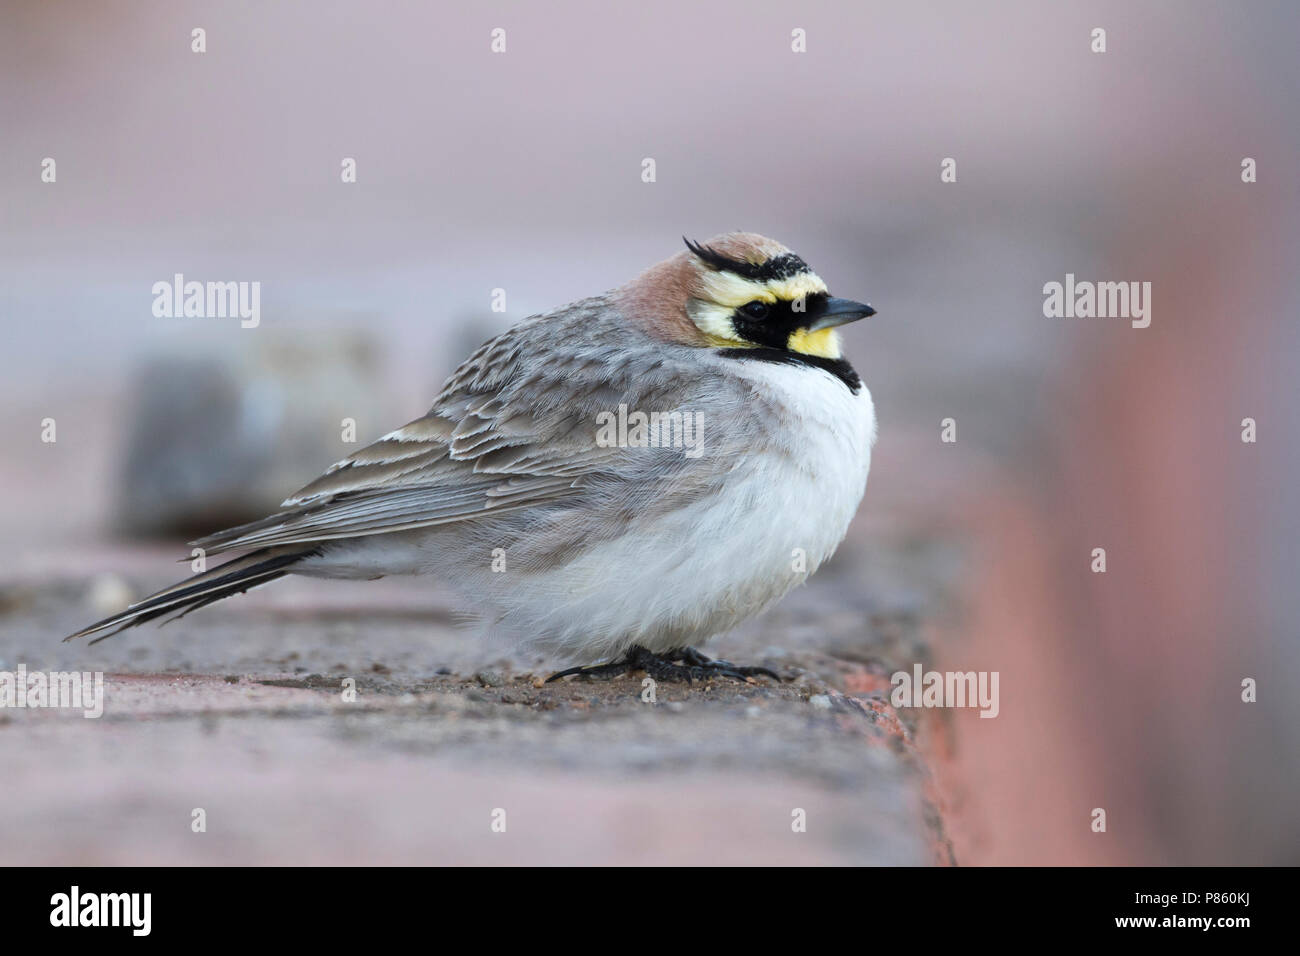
{"x": 805, "y": 502}
{"x": 707, "y": 567}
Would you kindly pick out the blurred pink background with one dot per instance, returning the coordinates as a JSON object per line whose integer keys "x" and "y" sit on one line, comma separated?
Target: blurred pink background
{"x": 522, "y": 171}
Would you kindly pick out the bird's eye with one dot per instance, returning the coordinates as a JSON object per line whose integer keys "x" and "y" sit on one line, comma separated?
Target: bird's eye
{"x": 755, "y": 309}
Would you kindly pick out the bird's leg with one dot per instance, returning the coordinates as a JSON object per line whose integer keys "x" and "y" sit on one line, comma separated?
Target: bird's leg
{"x": 695, "y": 666}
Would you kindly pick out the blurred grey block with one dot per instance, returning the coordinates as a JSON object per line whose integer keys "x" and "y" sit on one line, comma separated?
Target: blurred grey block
{"x": 224, "y": 438}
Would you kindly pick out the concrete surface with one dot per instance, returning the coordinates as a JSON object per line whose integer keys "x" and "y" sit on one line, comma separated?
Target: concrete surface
{"x": 238, "y": 710}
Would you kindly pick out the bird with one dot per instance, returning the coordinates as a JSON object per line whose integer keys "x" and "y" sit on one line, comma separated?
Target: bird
{"x": 611, "y": 483}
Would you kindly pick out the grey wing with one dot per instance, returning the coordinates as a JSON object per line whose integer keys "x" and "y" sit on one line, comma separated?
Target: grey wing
{"x": 515, "y": 427}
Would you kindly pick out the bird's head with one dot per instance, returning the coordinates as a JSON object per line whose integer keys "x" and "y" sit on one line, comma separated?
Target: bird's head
{"x": 743, "y": 290}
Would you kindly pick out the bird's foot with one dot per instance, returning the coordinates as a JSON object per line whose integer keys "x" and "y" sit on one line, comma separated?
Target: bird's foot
{"x": 684, "y": 664}
{"x": 693, "y": 658}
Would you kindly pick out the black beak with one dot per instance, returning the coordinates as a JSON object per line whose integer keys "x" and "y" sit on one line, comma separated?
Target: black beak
{"x": 835, "y": 312}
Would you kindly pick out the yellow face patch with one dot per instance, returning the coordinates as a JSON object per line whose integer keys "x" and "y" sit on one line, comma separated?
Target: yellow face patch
{"x": 716, "y": 322}
{"x": 824, "y": 343}
{"x": 725, "y": 292}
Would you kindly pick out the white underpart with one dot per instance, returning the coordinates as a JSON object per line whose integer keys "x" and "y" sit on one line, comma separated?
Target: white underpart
{"x": 712, "y": 565}
{"x": 699, "y": 570}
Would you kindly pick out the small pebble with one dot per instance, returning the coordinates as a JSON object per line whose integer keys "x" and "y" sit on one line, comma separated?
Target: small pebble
{"x": 490, "y": 678}
{"x": 820, "y": 701}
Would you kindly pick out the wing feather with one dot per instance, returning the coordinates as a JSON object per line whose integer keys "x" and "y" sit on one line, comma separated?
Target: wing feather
{"x": 514, "y": 427}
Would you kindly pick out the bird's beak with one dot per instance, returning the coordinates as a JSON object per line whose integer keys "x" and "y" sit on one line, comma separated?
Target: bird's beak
{"x": 839, "y": 312}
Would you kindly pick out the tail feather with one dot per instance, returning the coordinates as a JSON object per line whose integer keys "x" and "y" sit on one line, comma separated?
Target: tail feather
{"x": 232, "y": 577}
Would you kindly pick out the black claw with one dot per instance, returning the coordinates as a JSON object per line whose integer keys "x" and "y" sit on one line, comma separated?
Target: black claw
{"x": 564, "y": 673}
{"x": 690, "y": 655}
{"x": 694, "y": 666}
{"x": 597, "y": 670}
{"x": 694, "y": 658}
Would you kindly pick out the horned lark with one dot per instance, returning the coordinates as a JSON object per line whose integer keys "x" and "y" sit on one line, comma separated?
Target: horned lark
{"x": 582, "y": 539}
